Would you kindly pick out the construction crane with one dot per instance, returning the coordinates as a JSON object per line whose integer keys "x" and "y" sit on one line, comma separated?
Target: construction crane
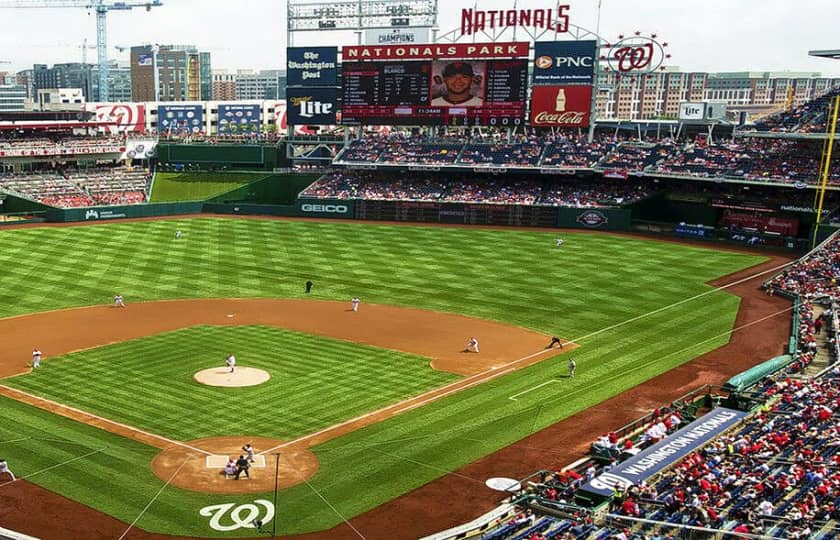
{"x": 101, "y": 7}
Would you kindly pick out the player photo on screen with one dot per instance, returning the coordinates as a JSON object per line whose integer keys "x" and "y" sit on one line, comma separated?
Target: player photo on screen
{"x": 458, "y": 83}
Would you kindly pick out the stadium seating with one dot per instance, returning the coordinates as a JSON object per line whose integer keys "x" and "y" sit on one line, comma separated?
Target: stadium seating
{"x": 64, "y": 147}
{"x": 69, "y": 188}
{"x": 809, "y": 117}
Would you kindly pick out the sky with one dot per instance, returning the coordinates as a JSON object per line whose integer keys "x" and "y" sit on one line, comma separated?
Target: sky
{"x": 703, "y": 35}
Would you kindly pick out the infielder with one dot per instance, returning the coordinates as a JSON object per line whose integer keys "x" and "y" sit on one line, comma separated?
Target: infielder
{"x": 231, "y": 362}
{"x": 572, "y": 367}
{"x": 118, "y": 301}
{"x": 4, "y": 468}
{"x": 355, "y": 303}
{"x": 472, "y": 345}
{"x": 36, "y": 358}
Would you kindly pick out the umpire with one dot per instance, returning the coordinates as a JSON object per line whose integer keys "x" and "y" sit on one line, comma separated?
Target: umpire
{"x": 242, "y": 466}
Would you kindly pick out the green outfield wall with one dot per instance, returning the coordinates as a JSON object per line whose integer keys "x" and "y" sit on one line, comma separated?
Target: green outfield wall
{"x": 107, "y": 213}
{"x": 264, "y": 157}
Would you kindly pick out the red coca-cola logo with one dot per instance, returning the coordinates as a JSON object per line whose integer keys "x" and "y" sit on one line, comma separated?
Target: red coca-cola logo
{"x": 566, "y": 118}
{"x": 561, "y": 106}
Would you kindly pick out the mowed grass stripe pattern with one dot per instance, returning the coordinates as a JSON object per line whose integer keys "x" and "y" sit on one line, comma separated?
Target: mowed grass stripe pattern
{"x": 173, "y": 187}
{"x": 517, "y": 277}
{"x": 148, "y": 383}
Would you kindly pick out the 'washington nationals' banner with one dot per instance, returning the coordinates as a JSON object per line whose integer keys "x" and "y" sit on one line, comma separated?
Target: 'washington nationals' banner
{"x": 561, "y": 106}
{"x": 665, "y": 453}
{"x": 239, "y": 118}
{"x": 120, "y": 117}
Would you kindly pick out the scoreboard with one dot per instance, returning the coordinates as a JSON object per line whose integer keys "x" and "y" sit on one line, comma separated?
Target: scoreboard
{"x": 457, "y": 85}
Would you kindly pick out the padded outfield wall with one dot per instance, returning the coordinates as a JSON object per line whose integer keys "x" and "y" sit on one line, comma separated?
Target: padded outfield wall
{"x": 264, "y": 157}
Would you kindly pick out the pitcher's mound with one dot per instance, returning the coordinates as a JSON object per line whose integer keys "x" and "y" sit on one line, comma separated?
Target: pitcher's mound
{"x": 242, "y": 376}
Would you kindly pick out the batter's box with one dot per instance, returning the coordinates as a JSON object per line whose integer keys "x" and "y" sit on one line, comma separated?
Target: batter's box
{"x": 218, "y": 461}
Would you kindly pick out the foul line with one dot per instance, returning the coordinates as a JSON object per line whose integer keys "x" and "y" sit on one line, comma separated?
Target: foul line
{"x": 171, "y": 478}
{"x": 56, "y": 407}
{"x": 422, "y": 399}
{"x": 333, "y": 508}
{"x": 57, "y": 465}
{"x": 514, "y": 396}
{"x": 695, "y": 297}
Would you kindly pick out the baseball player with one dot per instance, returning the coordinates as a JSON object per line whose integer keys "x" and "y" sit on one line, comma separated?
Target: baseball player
{"x": 36, "y": 358}
{"x": 572, "y": 367}
{"x": 559, "y": 242}
{"x": 249, "y": 451}
{"x": 4, "y": 468}
{"x": 355, "y": 303}
{"x": 555, "y": 341}
{"x": 231, "y": 362}
{"x": 177, "y": 233}
{"x": 472, "y": 345}
{"x": 118, "y": 301}
{"x": 308, "y": 286}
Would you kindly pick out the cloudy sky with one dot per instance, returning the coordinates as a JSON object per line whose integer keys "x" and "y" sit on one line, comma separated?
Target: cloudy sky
{"x": 703, "y": 35}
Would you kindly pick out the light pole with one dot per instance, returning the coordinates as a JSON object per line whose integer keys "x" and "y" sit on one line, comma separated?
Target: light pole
{"x": 276, "y": 478}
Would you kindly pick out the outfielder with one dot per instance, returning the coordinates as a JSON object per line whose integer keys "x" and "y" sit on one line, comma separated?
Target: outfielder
{"x": 559, "y": 242}
{"x": 36, "y": 358}
{"x": 231, "y": 362}
{"x": 177, "y": 233}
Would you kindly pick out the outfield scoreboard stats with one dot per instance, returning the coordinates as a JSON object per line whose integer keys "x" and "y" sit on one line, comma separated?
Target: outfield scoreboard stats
{"x": 444, "y": 84}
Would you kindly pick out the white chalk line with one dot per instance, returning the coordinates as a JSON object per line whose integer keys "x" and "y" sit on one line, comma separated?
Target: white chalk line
{"x": 422, "y": 399}
{"x": 514, "y": 396}
{"x": 107, "y": 420}
{"x": 333, "y": 508}
{"x": 51, "y": 467}
{"x": 494, "y": 372}
{"x": 164, "y": 486}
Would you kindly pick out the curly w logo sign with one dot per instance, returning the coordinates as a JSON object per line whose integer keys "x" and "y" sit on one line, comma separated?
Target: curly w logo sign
{"x": 229, "y": 517}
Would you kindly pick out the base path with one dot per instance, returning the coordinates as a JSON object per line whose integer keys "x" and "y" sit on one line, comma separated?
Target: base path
{"x": 439, "y": 336}
{"x": 454, "y": 498}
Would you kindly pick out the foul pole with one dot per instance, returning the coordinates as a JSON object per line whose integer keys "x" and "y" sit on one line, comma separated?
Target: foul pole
{"x": 831, "y": 130}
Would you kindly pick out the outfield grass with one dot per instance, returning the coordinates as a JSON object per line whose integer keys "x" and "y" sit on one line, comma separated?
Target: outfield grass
{"x": 584, "y": 291}
{"x": 173, "y": 187}
{"x": 304, "y": 368}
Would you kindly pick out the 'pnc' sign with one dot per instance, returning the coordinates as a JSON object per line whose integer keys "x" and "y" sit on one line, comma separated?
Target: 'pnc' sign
{"x": 564, "y": 62}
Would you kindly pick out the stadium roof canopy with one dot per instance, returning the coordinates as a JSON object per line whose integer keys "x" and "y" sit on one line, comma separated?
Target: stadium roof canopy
{"x": 835, "y": 54}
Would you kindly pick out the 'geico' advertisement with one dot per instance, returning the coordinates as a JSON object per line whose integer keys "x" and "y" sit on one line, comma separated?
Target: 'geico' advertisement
{"x": 326, "y": 208}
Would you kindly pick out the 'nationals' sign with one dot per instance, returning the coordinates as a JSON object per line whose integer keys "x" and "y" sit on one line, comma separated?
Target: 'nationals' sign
{"x": 432, "y": 51}
{"x": 560, "y": 106}
{"x": 481, "y": 20}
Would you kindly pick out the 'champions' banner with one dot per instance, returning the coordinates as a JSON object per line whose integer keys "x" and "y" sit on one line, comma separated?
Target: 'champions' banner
{"x": 666, "y": 452}
{"x": 560, "y": 106}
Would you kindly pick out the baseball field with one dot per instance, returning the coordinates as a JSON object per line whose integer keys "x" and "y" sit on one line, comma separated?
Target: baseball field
{"x": 359, "y": 407}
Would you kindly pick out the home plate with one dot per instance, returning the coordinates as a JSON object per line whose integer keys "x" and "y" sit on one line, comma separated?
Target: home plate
{"x": 218, "y": 461}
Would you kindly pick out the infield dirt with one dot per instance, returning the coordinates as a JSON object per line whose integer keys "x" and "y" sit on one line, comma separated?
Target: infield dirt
{"x": 458, "y": 497}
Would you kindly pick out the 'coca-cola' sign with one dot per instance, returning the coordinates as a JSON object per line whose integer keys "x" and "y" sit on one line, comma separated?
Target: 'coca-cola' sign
{"x": 561, "y": 106}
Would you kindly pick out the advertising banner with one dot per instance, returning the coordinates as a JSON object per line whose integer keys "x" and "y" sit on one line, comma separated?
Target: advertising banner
{"x": 396, "y": 36}
{"x": 239, "y": 118}
{"x": 351, "y": 53}
{"x": 121, "y": 117}
{"x": 561, "y": 106}
{"x": 311, "y": 66}
{"x": 692, "y": 111}
{"x": 139, "y": 148}
{"x": 144, "y": 60}
{"x": 180, "y": 118}
{"x": 564, "y": 62}
{"x": 316, "y": 106}
{"x": 665, "y": 453}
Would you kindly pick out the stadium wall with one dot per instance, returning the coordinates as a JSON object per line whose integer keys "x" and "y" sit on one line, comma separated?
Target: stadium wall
{"x": 279, "y": 189}
{"x": 107, "y": 213}
{"x": 264, "y": 157}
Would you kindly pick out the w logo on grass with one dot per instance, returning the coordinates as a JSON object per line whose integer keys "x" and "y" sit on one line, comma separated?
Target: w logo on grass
{"x": 229, "y": 517}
